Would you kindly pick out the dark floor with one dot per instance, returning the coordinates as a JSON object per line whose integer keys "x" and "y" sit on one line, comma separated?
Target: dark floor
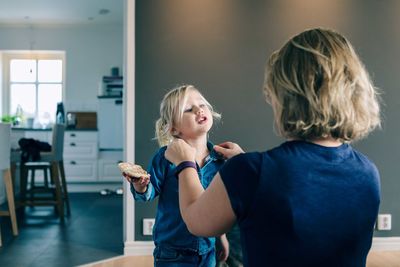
{"x": 93, "y": 232}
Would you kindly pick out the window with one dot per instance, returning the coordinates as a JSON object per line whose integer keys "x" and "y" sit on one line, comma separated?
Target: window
{"x": 35, "y": 85}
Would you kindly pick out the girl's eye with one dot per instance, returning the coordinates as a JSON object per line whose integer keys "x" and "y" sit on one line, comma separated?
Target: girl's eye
{"x": 188, "y": 110}
{"x": 202, "y": 105}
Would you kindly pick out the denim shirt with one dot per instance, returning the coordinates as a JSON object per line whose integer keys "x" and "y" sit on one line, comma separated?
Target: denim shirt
{"x": 170, "y": 230}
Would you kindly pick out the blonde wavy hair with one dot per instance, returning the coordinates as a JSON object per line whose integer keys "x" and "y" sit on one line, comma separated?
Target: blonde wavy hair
{"x": 171, "y": 112}
{"x": 318, "y": 87}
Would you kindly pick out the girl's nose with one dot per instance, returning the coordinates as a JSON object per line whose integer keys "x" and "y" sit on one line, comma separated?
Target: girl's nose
{"x": 199, "y": 110}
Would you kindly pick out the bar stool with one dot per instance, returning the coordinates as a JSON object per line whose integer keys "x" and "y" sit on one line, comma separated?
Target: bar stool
{"x": 5, "y": 133}
{"x": 49, "y": 161}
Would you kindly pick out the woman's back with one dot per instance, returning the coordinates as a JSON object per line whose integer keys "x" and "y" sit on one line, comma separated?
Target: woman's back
{"x": 304, "y": 205}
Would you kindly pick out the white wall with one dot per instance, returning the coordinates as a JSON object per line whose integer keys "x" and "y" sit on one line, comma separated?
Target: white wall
{"x": 91, "y": 51}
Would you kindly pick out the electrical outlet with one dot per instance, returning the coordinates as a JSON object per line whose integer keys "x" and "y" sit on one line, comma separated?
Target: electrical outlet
{"x": 384, "y": 222}
{"x": 148, "y": 226}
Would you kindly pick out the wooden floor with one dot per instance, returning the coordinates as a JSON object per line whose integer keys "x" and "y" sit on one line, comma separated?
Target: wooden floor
{"x": 375, "y": 259}
{"x": 384, "y": 259}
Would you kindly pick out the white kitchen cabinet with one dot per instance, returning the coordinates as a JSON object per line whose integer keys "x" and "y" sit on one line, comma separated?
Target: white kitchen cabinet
{"x": 80, "y": 156}
{"x": 80, "y": 170}
{"x": 108, "y": 166}
{"x": 80, "y": 145}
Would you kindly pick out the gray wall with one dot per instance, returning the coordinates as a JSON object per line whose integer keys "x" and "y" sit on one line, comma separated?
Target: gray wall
{"x": 221, "y": 47}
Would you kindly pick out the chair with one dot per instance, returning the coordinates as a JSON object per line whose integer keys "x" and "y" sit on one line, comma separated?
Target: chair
{"x": 5, "y": 133}
{"x": 49, "y": 162}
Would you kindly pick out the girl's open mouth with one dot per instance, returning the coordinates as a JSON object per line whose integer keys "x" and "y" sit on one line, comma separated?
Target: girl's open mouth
{"x": 202, "y": 120}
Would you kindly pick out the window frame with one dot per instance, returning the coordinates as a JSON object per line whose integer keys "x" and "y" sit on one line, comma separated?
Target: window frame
{"x": 7, "y": 56}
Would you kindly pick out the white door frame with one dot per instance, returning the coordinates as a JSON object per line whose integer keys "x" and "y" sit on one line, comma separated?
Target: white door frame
{"x": 131, "y": 246}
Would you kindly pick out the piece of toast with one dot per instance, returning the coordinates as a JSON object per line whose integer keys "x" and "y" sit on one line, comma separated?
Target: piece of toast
{"x": 133, "y": 170}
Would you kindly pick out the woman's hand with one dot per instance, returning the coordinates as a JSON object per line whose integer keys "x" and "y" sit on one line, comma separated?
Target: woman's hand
{"x": 223, "y": 248}
{"x": 139, "y": 183}
{"x": 228, "y": 149}
{"x": 178, "y": 151}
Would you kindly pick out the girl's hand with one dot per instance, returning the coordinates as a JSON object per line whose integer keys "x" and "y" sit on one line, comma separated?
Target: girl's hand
{"x": 139, "y": 183}
{"x": 223, "y": 248}
{"x": 228, "y": 149}
{"x": 178, "y": 151}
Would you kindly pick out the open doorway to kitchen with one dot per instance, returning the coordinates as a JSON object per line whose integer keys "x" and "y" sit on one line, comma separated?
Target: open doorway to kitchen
{"x": 66, "y": 51}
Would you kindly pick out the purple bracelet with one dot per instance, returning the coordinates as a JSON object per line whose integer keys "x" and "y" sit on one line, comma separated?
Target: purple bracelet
{"x": 183, "y": 165}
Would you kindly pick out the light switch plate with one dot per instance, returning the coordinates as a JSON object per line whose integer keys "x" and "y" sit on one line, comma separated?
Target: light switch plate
{"x": 148, "y": 224}
{"x": 384, "y": 222}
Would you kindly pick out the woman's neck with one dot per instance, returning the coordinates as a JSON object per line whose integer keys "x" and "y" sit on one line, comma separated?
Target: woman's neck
{"x": 322, "y": 141}
{"x": 326, "y": 141}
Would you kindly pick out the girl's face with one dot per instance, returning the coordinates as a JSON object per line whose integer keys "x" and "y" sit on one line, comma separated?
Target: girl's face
{"x": 196, "y": 120}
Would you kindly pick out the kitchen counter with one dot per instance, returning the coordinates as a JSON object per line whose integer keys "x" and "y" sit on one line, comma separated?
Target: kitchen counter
{"x": 49, "y": 129}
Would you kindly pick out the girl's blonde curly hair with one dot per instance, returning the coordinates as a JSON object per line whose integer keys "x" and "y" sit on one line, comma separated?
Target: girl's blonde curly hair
{"x": 318, "y": 87}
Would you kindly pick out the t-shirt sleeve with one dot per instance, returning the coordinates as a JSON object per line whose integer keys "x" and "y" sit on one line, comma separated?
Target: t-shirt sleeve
{"x": 240, "y": 176}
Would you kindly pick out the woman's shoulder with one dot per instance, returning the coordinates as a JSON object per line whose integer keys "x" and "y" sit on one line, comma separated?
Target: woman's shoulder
{"x": 245, "y": 162}
{"x": 254, "y": 160}
{"x": 248, "y": 156}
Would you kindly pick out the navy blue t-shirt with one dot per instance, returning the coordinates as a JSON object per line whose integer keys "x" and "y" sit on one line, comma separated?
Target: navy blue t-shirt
{"x": 301, "y": 204}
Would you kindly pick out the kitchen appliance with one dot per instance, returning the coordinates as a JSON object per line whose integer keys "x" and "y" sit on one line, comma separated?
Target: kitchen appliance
{"x": 82, "y": 120}
{"x": 110, "y": 123}
{"x": 71, "y": 120}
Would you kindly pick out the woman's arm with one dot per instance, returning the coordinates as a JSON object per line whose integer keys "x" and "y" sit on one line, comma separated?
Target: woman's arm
{"x": 205, "y": 212}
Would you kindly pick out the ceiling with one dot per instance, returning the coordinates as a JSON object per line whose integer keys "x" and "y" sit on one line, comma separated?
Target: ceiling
{"x": 49, "y": 12}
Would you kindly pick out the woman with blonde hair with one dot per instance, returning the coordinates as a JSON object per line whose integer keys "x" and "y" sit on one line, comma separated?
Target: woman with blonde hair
{"x": 184, "y": 114}
{"x": 313, "y": 200}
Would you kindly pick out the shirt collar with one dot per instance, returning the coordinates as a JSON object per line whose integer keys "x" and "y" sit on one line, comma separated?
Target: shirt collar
{"x": 213, "y": 154}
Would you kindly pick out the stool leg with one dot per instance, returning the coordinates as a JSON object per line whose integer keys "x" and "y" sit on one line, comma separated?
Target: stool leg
{"x": 46, "y": 182}
{"x": 32, "y": 188}
{"x": 18, "y": 179}
{"x": 13, "y": 169}
{"x": 10, "y": 199}
{"x": 32, "y": 178}
{"x": 23, "y": 185}
{"x": 56, "y": 180}
{"x": 64, "y": 186}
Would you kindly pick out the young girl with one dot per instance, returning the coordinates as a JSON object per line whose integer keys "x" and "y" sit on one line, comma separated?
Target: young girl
{"x": 313, "y": 200}
{"x": 184, "y": 114}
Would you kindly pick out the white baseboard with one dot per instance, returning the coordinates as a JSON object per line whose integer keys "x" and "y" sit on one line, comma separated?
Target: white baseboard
{"x": 386, "y": 243}
{"x": 143, "y": 248}
{"x": 92, "y": 187}
{"x": 139, "y": 248}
